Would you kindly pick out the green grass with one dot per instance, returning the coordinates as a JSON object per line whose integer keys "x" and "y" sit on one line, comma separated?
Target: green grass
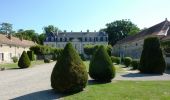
{"x": 118, "y": 68}
{"x": 125, "y": 90}
{"x": 15, "y": 65}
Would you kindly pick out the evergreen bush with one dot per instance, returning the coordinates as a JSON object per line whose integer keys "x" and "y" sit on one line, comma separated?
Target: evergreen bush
{"x": 135, "y": 64}
{"x": 152, "y": 60}
{"x": 101, "y": 67}
{"x": 69, "y": 74}
{"x": 31, "y": 55}
{"x": 15, "y": 59}
{"x": 127, "y": 61}
{"x": 115, "y": 59}
{"x": 46, "y": 60}
{"x": 24, "y": 61}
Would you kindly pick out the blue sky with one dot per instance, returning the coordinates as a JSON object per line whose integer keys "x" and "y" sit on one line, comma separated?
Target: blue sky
{"x": 77, "y": 15}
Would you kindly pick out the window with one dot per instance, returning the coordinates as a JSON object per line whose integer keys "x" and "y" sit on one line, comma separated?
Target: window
{"x": 85, "y": 39}
{"x": 61, "y": 39}
{"x": 10, "y": 55}
{"x": 136, "y": 44}
{"x": 65, "y": 39}
{"x": 96, "y": 38}
{"x": 2, "y": 56}
{"x": 52, "y": 39}
{"x": 90, "y": 39}
{"x": 101, "y": 38}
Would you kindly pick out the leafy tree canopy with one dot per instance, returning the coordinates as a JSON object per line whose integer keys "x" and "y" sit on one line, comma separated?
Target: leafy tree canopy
{"x": 120, "y": 29}
{"x": 6, "y": 28}
{"x": 51, "y": 28}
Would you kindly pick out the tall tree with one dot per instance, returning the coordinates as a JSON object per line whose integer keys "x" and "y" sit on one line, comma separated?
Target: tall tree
{"x": 51, "y": 28}
{"x": 6, "y": 28}
{"x": 120, "y": 29}
{"x": 41, "y": 38}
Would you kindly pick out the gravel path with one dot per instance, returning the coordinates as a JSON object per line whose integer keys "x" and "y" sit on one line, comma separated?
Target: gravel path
{"x": 28, "y": 84}
{"x": 34, "y": 83}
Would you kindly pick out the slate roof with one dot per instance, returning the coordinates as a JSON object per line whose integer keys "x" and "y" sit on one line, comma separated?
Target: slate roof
{"x": 77, "y": 34}
{"x": 4, "y": 39}
{"x": 161, "y": 30}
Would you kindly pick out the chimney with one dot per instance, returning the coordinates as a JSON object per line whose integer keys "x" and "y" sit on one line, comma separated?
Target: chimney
{"x": 65, "y": 31}
{"x": 166, "y": 19}
{"x": 71, "y": 31}
{"x": 81, "y": 30}
{"x": 88, "y": 31}
{"x": 94, "y": 30}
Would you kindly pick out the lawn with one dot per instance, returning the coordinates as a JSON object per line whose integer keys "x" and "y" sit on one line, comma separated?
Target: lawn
{"x": 15, "y": 65}
{"x": 125, "y": 90}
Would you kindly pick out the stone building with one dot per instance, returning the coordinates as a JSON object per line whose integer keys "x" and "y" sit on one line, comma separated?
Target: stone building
{"x": 78, "y": 39}
{"x": 11, "y": 46}
{"x": 132, "y": 46}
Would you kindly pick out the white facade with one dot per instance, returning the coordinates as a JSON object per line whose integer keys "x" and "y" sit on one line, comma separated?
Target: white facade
{"x": 78, "y": 39}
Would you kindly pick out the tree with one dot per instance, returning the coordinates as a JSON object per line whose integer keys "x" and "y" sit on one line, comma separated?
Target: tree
{"x": 27, "y": 35}
{"x": 152, "y": 60}
{"x": 101, "y": 67}
{"x": 120, "y": 29}
{"x": 69, "y": 74}
{"x": 24, "y": 61}
{"x": 41, "y": 38}
{"x": 51, "y": 28}
{"x": 6, "y": 28}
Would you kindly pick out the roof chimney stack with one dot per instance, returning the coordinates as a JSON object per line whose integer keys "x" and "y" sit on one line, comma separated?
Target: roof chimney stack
{"x": 166, "y": 19}
{"x": 88, "y": 31}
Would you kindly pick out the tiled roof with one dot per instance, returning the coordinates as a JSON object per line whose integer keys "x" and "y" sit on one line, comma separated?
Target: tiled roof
{"x": 4, "y": 39}
{"x": 160, "y": 29}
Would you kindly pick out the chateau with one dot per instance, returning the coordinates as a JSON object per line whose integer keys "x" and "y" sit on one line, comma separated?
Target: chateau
{"x": 11, "y": 46}
{"x": 132, "y": 46}
{"x": 78, "y": 39}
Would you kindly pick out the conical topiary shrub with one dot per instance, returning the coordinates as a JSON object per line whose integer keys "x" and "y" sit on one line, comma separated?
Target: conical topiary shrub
{"x": 69, "y": 74}
{"x": 24, "y": 61}
{"x": 101, "y": 67}
{"x": 152, "y": 60}
{"x": 31, "y": 55}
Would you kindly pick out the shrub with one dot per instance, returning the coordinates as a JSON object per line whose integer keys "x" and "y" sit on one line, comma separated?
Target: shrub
{"x": 31, "y": 55}
{"x": 135, "y": 64}
{"x": 69, "y": 74}
{"x": 15, "y": 59}
{"x": 152, "y": 60}
{"x": 82, "y": 57}
{"x": 24, "y": 61}
{"x": 101, "y": 67}
{"x": 46, "y": 60}
{"x": 127, "y": 61}
{"x": 115, "y": 59}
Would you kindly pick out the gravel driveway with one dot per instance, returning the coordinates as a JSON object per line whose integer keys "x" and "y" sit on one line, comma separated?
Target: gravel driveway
{"x": 28, "y": 84}
{"x": 34, "y": 83}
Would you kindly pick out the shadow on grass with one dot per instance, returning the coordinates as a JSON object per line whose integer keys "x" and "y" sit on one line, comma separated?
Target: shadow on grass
{"x": 93, "y": 82}
{"x": 139, "y": 75}
{"x": 42, "y": 95}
